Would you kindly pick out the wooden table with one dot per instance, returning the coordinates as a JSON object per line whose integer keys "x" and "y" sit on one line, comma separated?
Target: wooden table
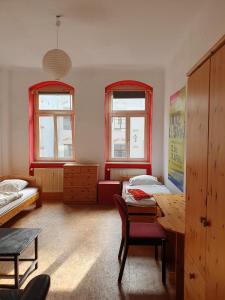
{"x": 13, "y": 241}
{"x": 173, "y": 219}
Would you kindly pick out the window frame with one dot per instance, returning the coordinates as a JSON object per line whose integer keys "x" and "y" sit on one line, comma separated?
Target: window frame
{"x": 128, "y": 85}
{"x": 48, "y": 88}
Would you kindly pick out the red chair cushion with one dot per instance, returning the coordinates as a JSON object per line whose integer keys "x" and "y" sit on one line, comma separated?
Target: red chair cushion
{"x": 146, "y": 230}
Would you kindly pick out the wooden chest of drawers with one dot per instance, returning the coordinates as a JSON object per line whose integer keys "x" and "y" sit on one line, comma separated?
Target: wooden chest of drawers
{"x": 80, "y": 183}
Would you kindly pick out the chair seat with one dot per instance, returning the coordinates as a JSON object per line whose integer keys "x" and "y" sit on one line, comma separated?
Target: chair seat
{"x": 146, "y": 230}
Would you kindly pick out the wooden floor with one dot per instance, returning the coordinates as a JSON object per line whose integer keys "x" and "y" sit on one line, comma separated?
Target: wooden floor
{"x": 78, "y": 248}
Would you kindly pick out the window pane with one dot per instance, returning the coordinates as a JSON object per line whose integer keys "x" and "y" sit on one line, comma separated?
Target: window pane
{"x": 137, "y": 137}
{"x": 55, "y": 102}
{"x": 64, "y": 132}
{"x": 46, "y": 137}
{"x": 118, "y": 149}
{"x": 128, "y": 104}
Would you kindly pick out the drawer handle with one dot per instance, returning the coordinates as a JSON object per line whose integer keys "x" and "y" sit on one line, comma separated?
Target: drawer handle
{"x": 191, "y": 275}
{"x": 204, "y": 221}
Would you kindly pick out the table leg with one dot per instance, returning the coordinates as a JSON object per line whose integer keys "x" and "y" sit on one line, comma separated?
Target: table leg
{"x": 179, "y": 266}
{"x": 36, "y": 251}
{"x": 16, "y": 269}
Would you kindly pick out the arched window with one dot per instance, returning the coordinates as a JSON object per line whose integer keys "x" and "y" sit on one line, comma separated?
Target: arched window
{"x": 128, "y": 121}
{"x": 51, "y": 122}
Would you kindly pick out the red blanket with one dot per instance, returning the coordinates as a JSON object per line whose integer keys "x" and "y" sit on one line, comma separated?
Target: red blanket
{"x": 139, "y": 194}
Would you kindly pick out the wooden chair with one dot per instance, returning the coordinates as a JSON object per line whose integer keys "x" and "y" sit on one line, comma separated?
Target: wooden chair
{"x": 138, "y": 233}
{"x": 36, "y": 289}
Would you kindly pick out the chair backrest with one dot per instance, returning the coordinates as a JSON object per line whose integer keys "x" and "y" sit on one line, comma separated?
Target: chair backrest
{"x": 37, "y": 288}
{"x": 122, "y": 208}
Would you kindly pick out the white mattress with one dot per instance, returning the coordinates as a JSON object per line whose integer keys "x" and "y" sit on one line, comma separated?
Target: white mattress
{"x": 27, "y": 193}
{"x": 149, "y": 189}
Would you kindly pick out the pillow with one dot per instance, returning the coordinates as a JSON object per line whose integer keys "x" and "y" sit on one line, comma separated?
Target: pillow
{"x": 144, "y": 180}
{"x": 12, "y": 185}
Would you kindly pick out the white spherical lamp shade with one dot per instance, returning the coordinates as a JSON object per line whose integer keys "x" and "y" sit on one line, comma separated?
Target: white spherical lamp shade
{"x": 57, "y": 63}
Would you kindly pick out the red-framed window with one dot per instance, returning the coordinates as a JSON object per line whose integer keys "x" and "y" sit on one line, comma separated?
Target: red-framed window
{"x": 128, "y": 122}
{"x": 51, "y": 123}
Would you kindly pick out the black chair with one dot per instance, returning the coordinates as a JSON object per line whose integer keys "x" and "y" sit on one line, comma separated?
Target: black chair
{"x": 138, "y": 233}
{"x": 36, "y": 289}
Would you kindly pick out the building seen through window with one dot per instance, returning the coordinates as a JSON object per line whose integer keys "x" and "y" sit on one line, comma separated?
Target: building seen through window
{"x": 53, "y": 127}
{"x": 128, "y": 117}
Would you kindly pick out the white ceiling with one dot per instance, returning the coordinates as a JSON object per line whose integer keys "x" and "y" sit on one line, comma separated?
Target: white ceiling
{"x": 94, "y": 32}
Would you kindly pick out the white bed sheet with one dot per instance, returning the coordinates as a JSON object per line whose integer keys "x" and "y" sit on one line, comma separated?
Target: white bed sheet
{"x": 27, "y": 193}
{"x": 8, "y": 197}
{"x": 149, "y": 189}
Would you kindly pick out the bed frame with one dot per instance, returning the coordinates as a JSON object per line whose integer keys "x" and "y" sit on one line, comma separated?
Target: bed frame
{"x": 143, "y": 214}
{"x": 146, "y": 213}
{"x": 17, "y": 209}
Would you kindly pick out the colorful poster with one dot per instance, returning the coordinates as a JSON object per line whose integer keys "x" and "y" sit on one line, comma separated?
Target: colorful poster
{"x": 176, "y": 138}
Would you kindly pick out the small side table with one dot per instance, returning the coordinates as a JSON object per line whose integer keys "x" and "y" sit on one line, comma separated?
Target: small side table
{"x": 106, "y": 190}
{"x": 13, "y": 241}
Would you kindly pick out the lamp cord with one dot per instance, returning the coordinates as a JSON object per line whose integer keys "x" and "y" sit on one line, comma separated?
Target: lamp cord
{"x": 58, "y": 23}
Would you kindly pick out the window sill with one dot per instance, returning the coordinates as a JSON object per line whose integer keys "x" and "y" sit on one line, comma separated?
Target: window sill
{"x": 128, "y": 162}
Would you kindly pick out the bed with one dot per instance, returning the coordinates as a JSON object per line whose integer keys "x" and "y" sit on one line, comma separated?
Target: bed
{"x": 145, "y": 209}
{"x": 29, "y": 195}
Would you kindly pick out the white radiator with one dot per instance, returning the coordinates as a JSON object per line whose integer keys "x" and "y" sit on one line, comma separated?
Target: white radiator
{"x": 121, "y": 174}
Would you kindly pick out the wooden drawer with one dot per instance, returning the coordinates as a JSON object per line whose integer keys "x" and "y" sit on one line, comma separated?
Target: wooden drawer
{"x": 88, "y": 170}
{"x": 70, "y": 175}
{"x": 69, "y": 171}
{"x": 83, "y": 195}
{"x": 194, "y": 282}
{"x": 77, "y": 180}
{"x": 80, "y": 170}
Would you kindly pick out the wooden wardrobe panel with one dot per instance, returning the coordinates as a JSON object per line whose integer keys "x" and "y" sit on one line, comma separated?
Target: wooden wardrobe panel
{"x": 216, "y": 178}
{"x": 195, "y": 283}
{"x": 196, "y": 167}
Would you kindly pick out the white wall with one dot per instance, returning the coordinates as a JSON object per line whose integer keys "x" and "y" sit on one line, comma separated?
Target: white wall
{"x": 5, "y": 119}
{"x": 207, "y": 28}
{"x": 89, "y": 97}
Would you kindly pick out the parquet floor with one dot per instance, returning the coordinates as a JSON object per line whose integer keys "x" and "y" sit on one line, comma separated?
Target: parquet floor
{"x": 78, "y": 248}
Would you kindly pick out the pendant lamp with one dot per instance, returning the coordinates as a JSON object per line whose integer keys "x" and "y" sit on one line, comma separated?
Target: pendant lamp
{"x": 57, "y": 62}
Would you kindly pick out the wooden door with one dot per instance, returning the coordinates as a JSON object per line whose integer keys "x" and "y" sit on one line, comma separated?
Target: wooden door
{"x": 215, "y": 280}
{"x": 194, "y": 282}
{"x": 196, "y": 172}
